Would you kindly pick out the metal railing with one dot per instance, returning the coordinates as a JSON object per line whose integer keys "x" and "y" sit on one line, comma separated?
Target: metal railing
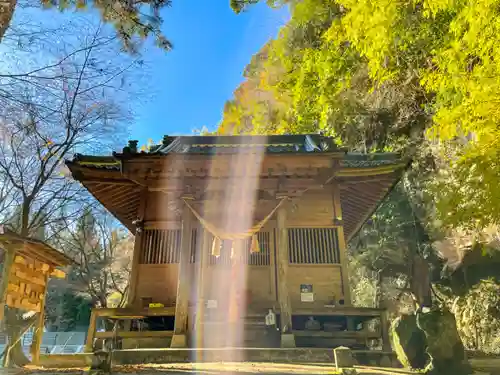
{"x": 52, "y": 342}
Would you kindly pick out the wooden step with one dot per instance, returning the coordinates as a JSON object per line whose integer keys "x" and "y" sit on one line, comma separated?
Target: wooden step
{"x": 254, "y": 331}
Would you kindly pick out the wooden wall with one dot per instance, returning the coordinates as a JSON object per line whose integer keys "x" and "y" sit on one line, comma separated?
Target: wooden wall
{"x": 158, "y": 281}
{"x": 314, "y": 259}
{"x": 161, "y": 207}
{"x": 316, "y": 255}
{"x": 316, "y": 252}
{"x": 325, "y": 279}
{"x": 159, "y": 262}
{"x": 314, "y": 208}
{"x": 256, "y": 278}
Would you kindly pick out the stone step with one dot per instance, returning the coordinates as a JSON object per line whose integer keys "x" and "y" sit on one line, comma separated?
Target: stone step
{"x": 253, "y": 330}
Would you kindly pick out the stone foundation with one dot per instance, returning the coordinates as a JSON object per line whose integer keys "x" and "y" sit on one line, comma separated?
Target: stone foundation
{"x": 171, "y": 355}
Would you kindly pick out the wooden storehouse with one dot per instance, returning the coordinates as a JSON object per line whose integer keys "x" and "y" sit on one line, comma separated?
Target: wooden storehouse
{"x": 229, "y": 227}
{"x": 27, "y": 265}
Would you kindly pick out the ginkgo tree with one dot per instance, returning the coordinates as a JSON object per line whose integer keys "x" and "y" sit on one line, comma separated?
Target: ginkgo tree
{"x": 453, "y": 48}
{"x": 387, "y": 75}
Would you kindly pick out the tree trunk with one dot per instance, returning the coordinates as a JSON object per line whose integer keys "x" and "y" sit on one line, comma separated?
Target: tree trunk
{"x": 25, "y": 216}
{"x": 7, "y": 8}
{"x": 378, "y": 291}
{"x": 16, "y": 327}
{"x": 420, "y": 281}
{"x": 14, "y": 354}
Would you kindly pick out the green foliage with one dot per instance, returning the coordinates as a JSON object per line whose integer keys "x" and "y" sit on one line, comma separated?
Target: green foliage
{"x": 381, "y": 74}
{"x": 363, "y": 282}
{"x": 390, "y": 243}
{"x": 394, "y": 234}
{"x": 133, "y": 21}
{"x": 468, "y": 190}
{"x": 421, "y": 77}
{"x": 76, "y": 311}
{"x": 69, "y": 311}
{"x": 467, "y": 267}
{"x": 310, "y": 79}
{"x": 239, "y": 6}
{"x": 478, "y": 316}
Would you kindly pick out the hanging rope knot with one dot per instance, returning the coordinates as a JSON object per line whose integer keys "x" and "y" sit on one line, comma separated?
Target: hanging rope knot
{"x": 220, "y": 235}
{"x": 216, "y": 245}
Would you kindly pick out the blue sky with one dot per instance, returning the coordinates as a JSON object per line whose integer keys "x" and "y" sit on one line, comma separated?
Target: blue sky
{"x": 212, "y": 46}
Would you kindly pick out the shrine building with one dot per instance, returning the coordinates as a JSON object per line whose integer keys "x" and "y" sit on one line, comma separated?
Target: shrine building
{"x": 228, "y": 228}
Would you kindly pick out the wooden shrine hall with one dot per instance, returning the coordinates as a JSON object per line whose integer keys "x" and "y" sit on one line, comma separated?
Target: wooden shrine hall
{"x": 230, "y": 229}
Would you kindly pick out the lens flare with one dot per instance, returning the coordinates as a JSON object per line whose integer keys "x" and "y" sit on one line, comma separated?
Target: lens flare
{"x": 229, "y": 202}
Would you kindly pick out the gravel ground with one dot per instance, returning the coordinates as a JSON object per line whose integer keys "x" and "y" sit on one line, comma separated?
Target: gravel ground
{"x": 225, "y": 368}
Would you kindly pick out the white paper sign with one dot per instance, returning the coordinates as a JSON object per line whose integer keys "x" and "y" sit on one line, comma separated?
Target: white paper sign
{"x": 211, "y": 304}
{"x": 306, "y": 293}
{"x": 307, "y": 297}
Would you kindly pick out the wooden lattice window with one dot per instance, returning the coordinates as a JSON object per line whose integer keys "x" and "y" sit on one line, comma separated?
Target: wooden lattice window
{"x": 261, "y": 258}
{"x": 313, "y": 246}
{"x": 194, "y": 245}
{"x": 160, "y": 246}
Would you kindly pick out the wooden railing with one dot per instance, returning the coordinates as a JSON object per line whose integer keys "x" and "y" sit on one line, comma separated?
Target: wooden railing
{"x": 351, "y": 313}
{"x": 132, "y": 334}
{"x": 125, "y": 314}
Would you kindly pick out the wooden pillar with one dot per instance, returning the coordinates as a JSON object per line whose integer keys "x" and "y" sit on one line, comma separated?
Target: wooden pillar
{"x": 9, "y": 256}
{"x": 134, "y": 274}
{"x": 287, "y": 338}
{"x": 204, "y": 252}
{"x": 40, "y": 324}
{"x": 420, "y": 283}
{"x": 179, "y": 340}
{"x": 272, "y": 267}
{"x": 350, "y": 323}
{"x": 89, "y": 343}
{"x": 337, "y": 208}
{"x": 384, "y": 332}
{"x": 38, "y": 336}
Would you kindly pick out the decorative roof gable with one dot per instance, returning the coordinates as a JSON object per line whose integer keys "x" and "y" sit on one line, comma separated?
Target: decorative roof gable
{"x": 277, "y": 144}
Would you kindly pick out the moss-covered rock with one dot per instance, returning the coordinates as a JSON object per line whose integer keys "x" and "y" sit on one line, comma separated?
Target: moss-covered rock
{"x": 409, "y": 343}
{"x": 444, "y": 346}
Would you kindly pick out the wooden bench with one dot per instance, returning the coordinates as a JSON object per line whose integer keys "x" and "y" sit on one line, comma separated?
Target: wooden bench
{"x": 352, "y": 315}
{"x": 338, "y": 334}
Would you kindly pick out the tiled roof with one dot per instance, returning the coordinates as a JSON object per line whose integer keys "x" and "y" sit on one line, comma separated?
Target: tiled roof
{"x": 357, "y": 160}
{"x": 36, "y": 249}
{"x": 378, "y": 172}
{"x": 96, "y": 162}
{"x": 274, "y": 144}
{"x": 236, "y": 144}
